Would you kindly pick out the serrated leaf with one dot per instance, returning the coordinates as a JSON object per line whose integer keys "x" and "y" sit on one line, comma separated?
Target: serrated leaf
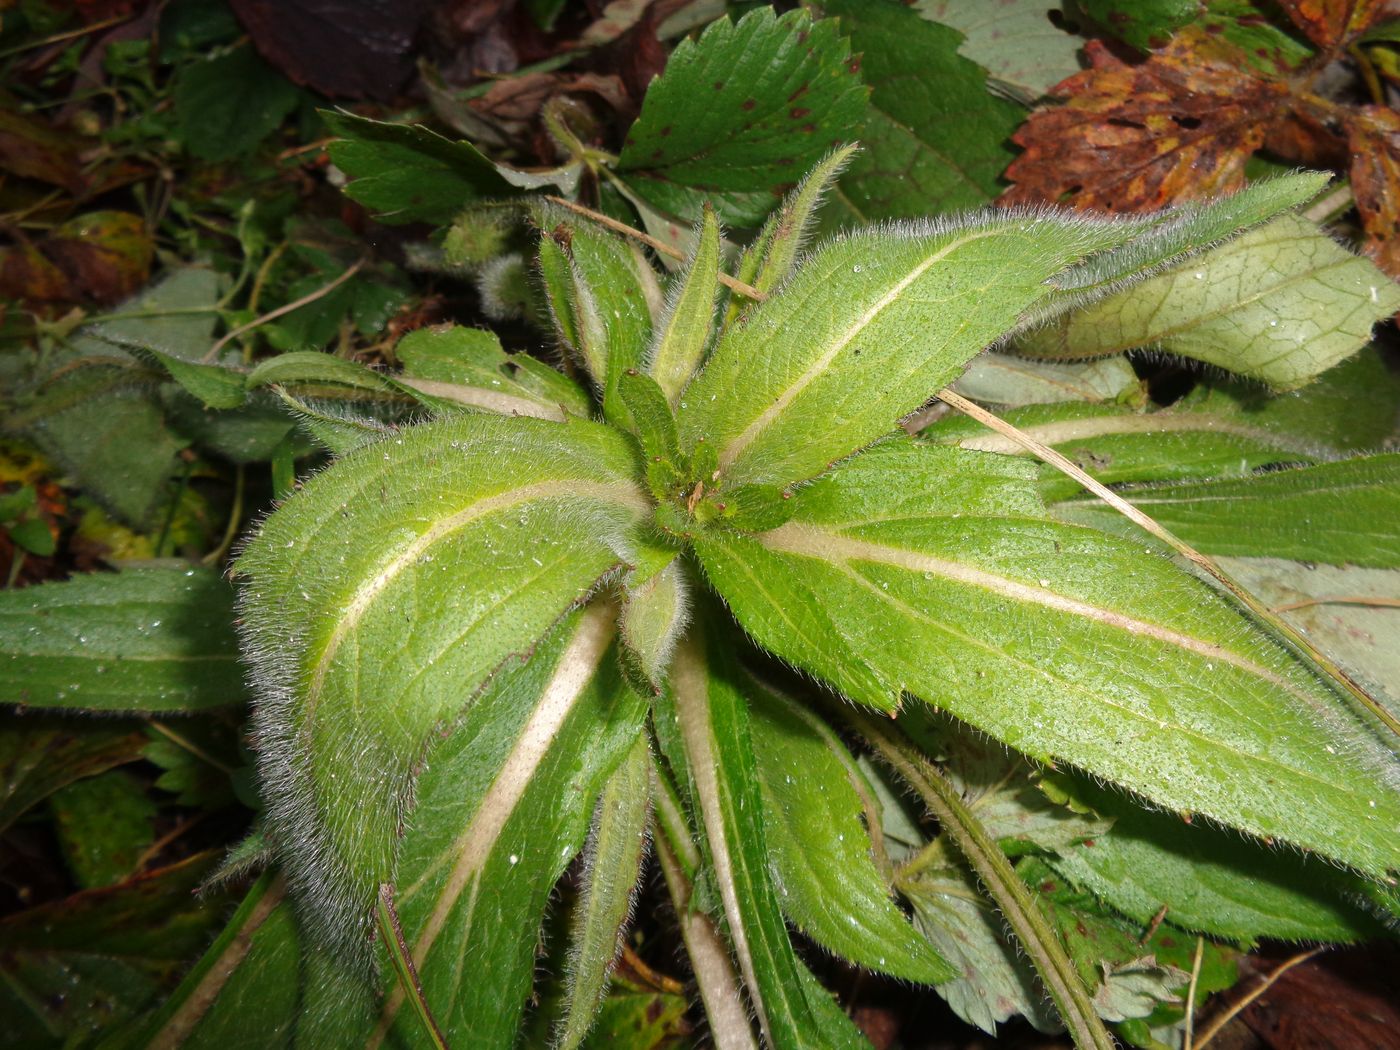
{"x": 151, "y": 639}
{"x": 820, "y": 849}
{"x": 103, "y": 824}
{"x": 741, "y": 112}
{"x": 226, "y": 105}
{"x": 864, "y": 333}
{"x": 474, "y": 358}
{"x": 1022, "y": 44}
{"x": 935, "y": 137}
{"x": 1063, "y": 644}
{"x": 1209, "y": 880}
{"x": 793, "y": 1009}
{"x": 406, "y": 173}
{"x": 471, "y": 563}
{"x": 1336, "y": 513}
{"x": 613, "y": 863}
{"x": 1282, "y": 303}
{"x": 175, "y": 315}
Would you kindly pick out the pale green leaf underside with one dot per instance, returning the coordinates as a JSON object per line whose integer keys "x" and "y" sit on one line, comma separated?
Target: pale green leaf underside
{"x": 380, "y": 599}
{"x": 870, "y": 327}
{"x": 1281, "y": 303}
{"x": 1002, "y": 379}
{"x": 1065, "y": 644}
{"x": 821, "y": 851}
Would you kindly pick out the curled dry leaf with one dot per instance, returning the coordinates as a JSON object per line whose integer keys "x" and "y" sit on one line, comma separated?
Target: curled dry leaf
{"x": 1375, "y": 180}
{"x": 1335, "y": 23}
{"x": 1138, "y": 137}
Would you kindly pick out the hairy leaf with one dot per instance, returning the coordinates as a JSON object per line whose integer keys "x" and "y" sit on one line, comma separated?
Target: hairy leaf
{"x": 613, "y": 858}
{"x": 1002, "y": 379}
{"x": 793, "y": 1009}
{"x": 503, "y": 807}
{"x": 486, "y": 530}
{"x": 1060, "y": 642}
{"x": 151, "y": 639}
{"x": 744, "y": 110}
{"x": 1282, "y": 303}
{"x": 1337, "y": 513}
{"x": 870, "y": 326}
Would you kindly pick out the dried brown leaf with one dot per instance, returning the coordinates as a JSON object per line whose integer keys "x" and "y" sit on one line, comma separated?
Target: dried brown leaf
{"x": 1335, "y": 23}
{"x": 1375, "y": 182}
{"x": 1137, "y": 137}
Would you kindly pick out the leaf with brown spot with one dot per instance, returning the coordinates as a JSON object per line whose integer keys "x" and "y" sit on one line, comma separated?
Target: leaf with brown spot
{"x": 1137, "y": 137}
{"x": 1334, "y": 23}
{"x": 1375, "y": 181}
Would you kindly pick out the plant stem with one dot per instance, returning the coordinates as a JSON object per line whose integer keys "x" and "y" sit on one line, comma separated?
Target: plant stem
{"x": 1234, "y": 1011}
{"x": 392, "y": 934}
{"x": 272, "y": 315}
{"x": 1287, "y": 631}
{"x": 993, "y": 868}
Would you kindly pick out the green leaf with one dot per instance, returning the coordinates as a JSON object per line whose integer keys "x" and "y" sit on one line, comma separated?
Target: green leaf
{"x": 613, "y": 863}
{"x": 175, "y": 315}
{"x": 1061, "y": 642}
{"x": 711, "y": 711}
{"x": 152, "y": 639}
{"x": 485, "y": 529}
{"x": 1114, "y": 444}
{"x": 864, "y": 333}
{"x": 89, "y": 962}
{"x": 1001, "y": 379}
{"x": 1144, "y": 25}
{"x": 503, "y": 807}
{"x": 741, "y": 112}
{"x": 40, "y": 754}
{"x": 1282, "y": 304}
{"x": 244, "y": 993}
{"x": 683, "y": 329}
{"x": 473, "y": 358}
{"x": 33, "y": 536}
{"x": 117, "y": 447}
{"x": 651, "y": 420}
{"x": 935, "y": 139}
{"x": 312, "y": 366}
{"x": 104, "y": 824}
{"x": 826, "y": 878}
{"x": 214, "y": 385}
{"x": 654, "y": 617}
{"x": 406, "y": 173}
{"x": 226, "y": 106}
{"x": 773, "y": 254}
{"x": 1027, "y": 46}
{"x": 602, "y": 292}
{"x": 1209, "y": 879}
{"x": 1336, "y": 513}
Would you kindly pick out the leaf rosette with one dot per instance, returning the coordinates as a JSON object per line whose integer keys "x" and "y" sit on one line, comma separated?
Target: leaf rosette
{"x": 489, "y": 642}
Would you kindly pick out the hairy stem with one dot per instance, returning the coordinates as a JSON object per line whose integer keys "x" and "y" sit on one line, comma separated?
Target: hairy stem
{"x": 992, "y": 867}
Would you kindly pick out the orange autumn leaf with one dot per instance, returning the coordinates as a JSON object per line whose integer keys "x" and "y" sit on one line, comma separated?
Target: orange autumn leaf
{"x": 1375, "y": 181}
{"x": 1334, "y": 23}
{"x": 1137, "y": 137}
